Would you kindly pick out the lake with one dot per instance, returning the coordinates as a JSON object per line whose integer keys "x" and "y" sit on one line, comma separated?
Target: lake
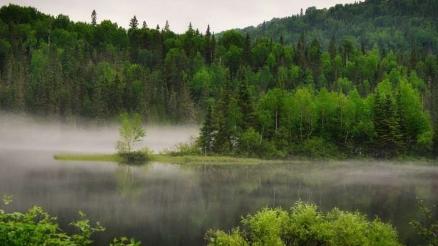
{"x": 166, "y": 204}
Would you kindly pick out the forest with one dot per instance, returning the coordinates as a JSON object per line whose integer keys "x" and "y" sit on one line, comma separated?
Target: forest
{"x": 353, "y": 80}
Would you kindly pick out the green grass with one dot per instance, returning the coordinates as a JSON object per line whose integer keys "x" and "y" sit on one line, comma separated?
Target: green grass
{"x": 164, "y": 158}
{"x": 87, "y": 157}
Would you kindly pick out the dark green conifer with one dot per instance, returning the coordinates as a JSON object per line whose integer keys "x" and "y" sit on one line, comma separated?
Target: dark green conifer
{"x": 133, "y": 24}
{"x": 206, "y": 139}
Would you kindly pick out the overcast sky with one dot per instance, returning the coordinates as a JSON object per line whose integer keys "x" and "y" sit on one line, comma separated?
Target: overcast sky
{"x": 220, "y": 14}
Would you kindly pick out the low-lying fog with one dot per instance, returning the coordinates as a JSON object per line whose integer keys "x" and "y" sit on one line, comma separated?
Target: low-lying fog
{"x": 30, "y": 133}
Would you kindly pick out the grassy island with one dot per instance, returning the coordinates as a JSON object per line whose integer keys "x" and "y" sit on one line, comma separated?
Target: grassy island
{"x": 165, "y": 158}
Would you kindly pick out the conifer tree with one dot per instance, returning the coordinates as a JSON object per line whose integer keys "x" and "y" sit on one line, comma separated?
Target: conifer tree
{"x": 246, "y": 106}
{"x": 301, "y": 51}
{"x": 387, "y": 128}
{"x": 93, "y": 18}
{"x": 145, "y": 25}
{"x": 247, "y": 50}
{"x": 133, "y": 24}
{"x": 206, "y": 138}
{"x": 208, "y": 53}
{"x": 167, "y": 26}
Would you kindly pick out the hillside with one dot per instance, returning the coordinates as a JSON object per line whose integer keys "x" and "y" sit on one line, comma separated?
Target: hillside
{"x": 333, "y": 96}
{"x": 389, "y": 24}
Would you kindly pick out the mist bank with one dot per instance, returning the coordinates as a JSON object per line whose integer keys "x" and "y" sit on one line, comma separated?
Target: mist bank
{"x": 24, "y": 132}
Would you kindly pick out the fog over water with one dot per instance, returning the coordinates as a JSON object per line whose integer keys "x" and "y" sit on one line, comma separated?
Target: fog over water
{"x": 32, "y": 133}
{"x": 168, "y": 204}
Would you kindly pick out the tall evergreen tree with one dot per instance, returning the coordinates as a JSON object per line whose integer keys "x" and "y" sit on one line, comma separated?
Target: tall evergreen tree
{"x": 133, "y": 24}
{"x": 386, "y": 124}
{"x": 208, "y": 52}
{"x": 247, "y": 50}
{"x": 207, "y": 137}
{"x": 93, "y": 18}
{"x": 246, "y": 106}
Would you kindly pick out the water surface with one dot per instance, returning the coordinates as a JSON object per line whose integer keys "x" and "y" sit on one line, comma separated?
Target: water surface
{"x": 166, "y": 204}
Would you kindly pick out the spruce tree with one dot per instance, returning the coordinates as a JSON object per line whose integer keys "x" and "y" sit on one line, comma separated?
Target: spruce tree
{"x": 133, "y": 24}
{"x": 247, "y": 50}
{"x": 208, "y": 53}
{"x": 93, "y": 18}
{"x": 206, "y": 138}
{"x": 387, "y": 128}
{"x": 222, "y": 143}
{"x": 167, "y": 26}
{"x": 245, "y": 106}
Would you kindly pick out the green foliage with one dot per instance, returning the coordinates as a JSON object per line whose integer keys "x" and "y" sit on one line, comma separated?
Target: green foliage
{"x": 304, "y": 224}
{"x": 190, "y": 148}
{"x": 290, "y": 80}
{"x": 250, "y": 142}
{"x": 427, "y": 227}
{"x": 134, "y": 157}
{"x": 318, "y": 148}
{"x": 131, "y": 132}
{"x": 124, "y": 241}
{"x": 37, "y": 227}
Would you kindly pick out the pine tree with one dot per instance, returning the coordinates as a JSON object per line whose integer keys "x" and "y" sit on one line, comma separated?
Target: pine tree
{"x": 145, "y": 25}
{"x": 222, "y": 143}
{"x": 387, "y": 128}
{"x": 206, "y": 138}
{"x": 167, "y": 26}
{"x": 406, "y": 140}
{"x": 93, "y": 18}
{"x": 208, "y": 53}
{"x": 301, "y": 51}
{"x": 246, "y": 106}
{"x": 247, "y": 50}
{"x": 133, "y": 24}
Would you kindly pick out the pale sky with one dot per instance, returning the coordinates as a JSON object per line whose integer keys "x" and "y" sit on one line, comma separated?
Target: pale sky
{"x": 220, "y": 14}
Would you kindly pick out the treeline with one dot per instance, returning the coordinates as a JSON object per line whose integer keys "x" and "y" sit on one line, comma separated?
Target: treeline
{"x": 238, "y": 83}
{"x": 388, "y": 122}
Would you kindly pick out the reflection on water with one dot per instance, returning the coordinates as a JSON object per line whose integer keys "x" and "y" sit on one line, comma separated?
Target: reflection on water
{"x": 165, "y": 204}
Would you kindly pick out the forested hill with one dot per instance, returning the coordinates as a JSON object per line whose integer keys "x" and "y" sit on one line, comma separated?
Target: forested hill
{"x": 388, "y": 24}
{"x": 258, "y": 96}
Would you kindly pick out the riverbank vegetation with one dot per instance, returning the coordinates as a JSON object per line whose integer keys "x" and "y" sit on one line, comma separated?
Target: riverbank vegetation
{"x": 164, "y": 158}
{"x": 37, "y": 227}
{"x": 304, "y": 224}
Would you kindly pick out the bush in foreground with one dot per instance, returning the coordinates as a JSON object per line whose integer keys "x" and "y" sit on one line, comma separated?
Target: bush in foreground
{"x": 304, "y": 224}
{"x": 37, "y": 227}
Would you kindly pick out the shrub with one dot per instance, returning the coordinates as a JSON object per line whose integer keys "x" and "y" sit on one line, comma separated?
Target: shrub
{"x": 316, "y": 147}
{"x": 304, "y": 224}
{"x": 190, "y": 148}
{"x": 37, "y": 227}
{"x": 250, "y": 142}
{"x": 134, "y": 157}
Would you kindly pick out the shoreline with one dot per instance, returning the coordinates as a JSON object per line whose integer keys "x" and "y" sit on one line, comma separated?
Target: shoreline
{"x": 230, "y": 160}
